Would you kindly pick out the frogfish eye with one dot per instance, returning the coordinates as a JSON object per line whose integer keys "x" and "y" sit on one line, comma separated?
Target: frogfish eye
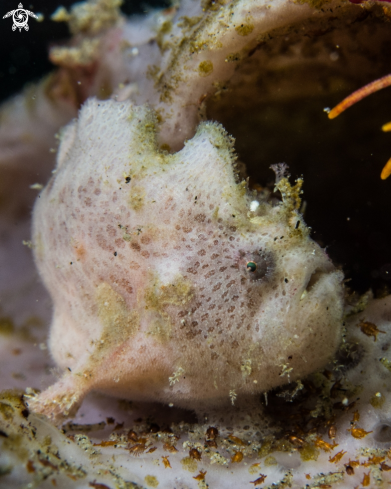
{"x": 258, "y": 264}
{"x": 251, "y": 266}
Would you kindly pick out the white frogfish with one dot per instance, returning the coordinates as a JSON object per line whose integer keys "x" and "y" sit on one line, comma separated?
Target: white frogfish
{"x": 167, "y": 284}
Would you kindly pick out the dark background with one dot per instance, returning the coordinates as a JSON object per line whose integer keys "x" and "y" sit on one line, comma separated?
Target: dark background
{"x": 24, "y": 55}
{"x": 350, "y": 215}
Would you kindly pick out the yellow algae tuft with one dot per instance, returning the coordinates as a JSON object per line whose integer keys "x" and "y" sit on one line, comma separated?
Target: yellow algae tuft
{"x": 75, "y": 56}
{"x": 158, "y": 296}
{"x": 165, "y": 148}
{"x": 377, "y": 400}
{"x": 153, "y": 73}
{"x": 10, "y": 400}
{"x": 137, "y": 198}
{"x": 189, "y": 464}
{"x": 7, "y": 326}
{"x": 270, "y": 460}
{"x": 232, "y": 57}
{"x": 387, "y": 363}
{"x": 165, "y": 28}
{"x": 160, "y": 329}
{"x": 246, "y": 28}
{"x": 186, "y": 22}
{"x": 309, "y": 452}
{"x": 60, "y": 15}
{"x": 118, "y": 322}
{"x": 205, "y": 68}
{"x": 90, "y": 17}
{"x": 151, "y": 481}
{"x": 38, "y": 246}
{"x": 266, "y": 447}
{"x": 178, "y": 292}
{"x": 291, "y": 195}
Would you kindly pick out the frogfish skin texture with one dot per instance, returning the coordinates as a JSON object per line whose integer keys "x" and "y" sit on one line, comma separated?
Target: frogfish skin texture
{"x": 165, "y": 285}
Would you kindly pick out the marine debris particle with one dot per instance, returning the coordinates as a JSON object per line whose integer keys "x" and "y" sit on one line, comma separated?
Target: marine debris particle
{"x": 166, "y": 462}
{"x": 337, "y": 457}
{"x": 332, "y": 432}
{"x": 237, "y": 457}
{"x": 176, "y": 376}
{"x": 97, "y": 485}
{"x": 369, "y": 329}
{"x": 232, "y": 396}
{"x": 200, "y": 476}
{"x": 366, "y": 480}
{"x": 169, "y": 448}
{"x": 359, "y": 432}
{"x": 261, "y": 479}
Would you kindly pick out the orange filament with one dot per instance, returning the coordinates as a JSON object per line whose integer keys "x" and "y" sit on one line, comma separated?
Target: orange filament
{"x": 359, "y": 94}
{"x": 386, "y": 127}
{"x": 386, "y": 172}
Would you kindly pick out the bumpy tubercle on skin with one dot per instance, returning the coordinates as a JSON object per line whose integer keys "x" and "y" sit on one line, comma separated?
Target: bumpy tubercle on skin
{"x": 144, "y": 254}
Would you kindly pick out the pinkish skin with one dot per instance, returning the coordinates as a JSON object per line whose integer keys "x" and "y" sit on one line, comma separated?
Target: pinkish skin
{"x": 145, "y": 256}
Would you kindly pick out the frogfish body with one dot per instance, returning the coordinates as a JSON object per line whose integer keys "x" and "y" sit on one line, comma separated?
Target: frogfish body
{"x": 166, "y": 285}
